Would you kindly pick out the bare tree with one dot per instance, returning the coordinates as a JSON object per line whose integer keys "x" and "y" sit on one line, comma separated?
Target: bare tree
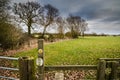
{"x": 83, "y": 27}
{"x": 76, "y": 25}
{"x": 27, "y": 13}
{"x": 73, "y": 25}
{"x": 61, "y": 26}
{"x": 48, "y": 17}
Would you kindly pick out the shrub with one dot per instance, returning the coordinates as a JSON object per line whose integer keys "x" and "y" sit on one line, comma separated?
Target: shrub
{"x": 51, "y": 38}
{"x": 68, "y": 34}
{"x": 72, "y": 35}
{"x": 10, "y": 36}
{"x": 60, "y": 35}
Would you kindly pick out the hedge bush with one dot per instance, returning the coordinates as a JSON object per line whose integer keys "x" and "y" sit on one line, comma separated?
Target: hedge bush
{"x": 10, "y": 36}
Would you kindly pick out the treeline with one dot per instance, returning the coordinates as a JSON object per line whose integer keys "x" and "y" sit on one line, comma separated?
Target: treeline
{"x": 102, "y": 34}
{"x": 46, "y": 17}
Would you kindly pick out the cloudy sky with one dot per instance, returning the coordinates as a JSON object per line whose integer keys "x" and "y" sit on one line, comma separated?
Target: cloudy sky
{"x": 103, "y": 16}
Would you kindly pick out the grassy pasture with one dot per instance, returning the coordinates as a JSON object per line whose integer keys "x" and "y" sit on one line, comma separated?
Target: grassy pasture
{"x": 79, "y": 51}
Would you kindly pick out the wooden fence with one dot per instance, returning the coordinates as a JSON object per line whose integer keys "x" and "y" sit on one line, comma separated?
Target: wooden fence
{"x": 106, "y": 69}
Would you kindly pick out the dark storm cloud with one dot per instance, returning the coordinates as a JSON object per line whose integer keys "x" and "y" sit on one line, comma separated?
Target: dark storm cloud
{"x": 102, "y": 15}
{"x": 106, "y": 10}
{"x": 90, "y": 9}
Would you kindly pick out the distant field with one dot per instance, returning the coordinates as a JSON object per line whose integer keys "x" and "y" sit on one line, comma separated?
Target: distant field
{"x": 79, "y": 51}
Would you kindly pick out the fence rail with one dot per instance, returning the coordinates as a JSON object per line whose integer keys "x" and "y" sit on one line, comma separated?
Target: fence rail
{"x": 8, "y": 78}
{"x": 71, "y": 67}
{"x": 8, "y": 68}
{"x": 8, "y": 58}
{"x": 110, "y": 59}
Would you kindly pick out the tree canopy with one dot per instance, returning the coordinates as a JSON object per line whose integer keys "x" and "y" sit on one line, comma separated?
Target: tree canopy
{"x": 49, "y": 15}
{"x": 27, "y": 13}
{"x": 76, "y": 25}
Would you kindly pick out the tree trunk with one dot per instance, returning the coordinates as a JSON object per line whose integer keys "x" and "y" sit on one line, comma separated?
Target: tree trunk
{"x": 43, "y": 32}
{"x": 29, "y": 31}
{"x": 82, "y": 34}
{"x": 29, "y": 35}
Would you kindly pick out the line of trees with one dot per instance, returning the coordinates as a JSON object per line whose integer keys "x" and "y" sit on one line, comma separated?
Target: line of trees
{"x": 31, "y": 13}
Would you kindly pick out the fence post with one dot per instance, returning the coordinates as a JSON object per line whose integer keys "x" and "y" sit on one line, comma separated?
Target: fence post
{"x": 40, "y": 60}
{"x": 26, "y": 68}
{"x": 101, "y": 70}
{"x": 113, "y": 75}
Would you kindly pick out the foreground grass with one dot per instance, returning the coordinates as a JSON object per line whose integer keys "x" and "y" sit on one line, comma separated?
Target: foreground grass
{"x": 79, "y": 51}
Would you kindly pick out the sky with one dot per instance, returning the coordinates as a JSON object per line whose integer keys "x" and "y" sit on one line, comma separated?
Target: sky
{"x": 102, "y": 16}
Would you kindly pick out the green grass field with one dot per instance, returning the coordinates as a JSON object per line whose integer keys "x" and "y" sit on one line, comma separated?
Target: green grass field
{"x": 79, "y": 51}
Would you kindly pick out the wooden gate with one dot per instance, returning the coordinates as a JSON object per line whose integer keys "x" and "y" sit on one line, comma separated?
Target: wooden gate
{"x": 26, "y": 68}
